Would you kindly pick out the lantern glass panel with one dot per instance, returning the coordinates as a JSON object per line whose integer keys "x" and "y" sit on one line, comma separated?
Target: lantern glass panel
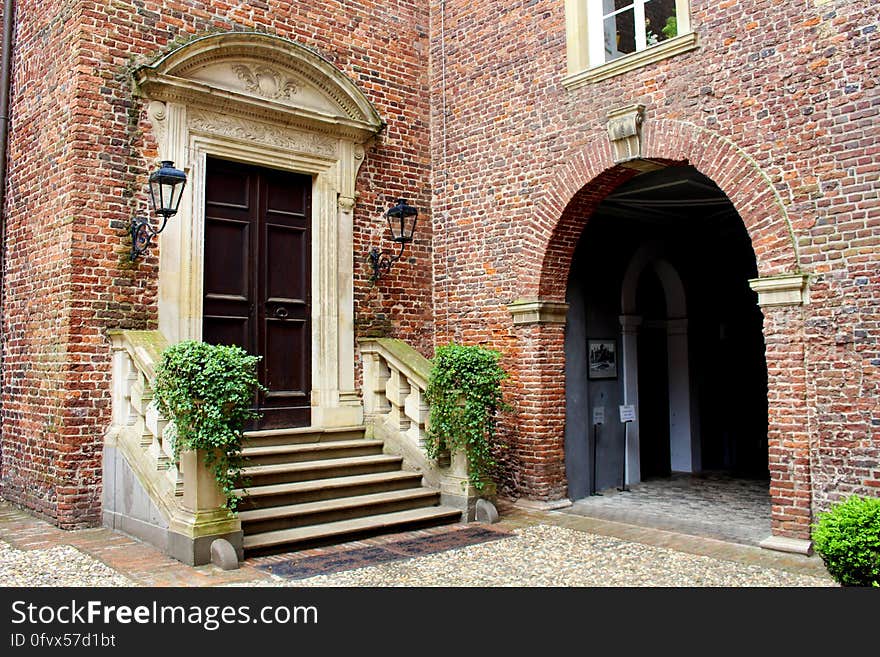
{"x": 401, "y": 221}
{"x": 166, "y": 189}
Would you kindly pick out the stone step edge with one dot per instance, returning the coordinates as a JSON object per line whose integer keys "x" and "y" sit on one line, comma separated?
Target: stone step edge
{"x": 337, "y": 504}
{"x": 341, "y": 527}
{"x": 292, "y": 431}
{"x": 326, "y": 484}
{"x": 271, "y": 450}
{"x": 321, "y": 464}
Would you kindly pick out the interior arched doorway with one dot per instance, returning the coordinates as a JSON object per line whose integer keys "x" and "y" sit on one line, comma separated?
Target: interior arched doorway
{"x": 662, "y": 273}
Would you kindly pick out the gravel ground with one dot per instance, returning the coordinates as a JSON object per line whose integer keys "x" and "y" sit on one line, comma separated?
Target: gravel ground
{"x": 540, "y": 555}
{"x": 545, "y": 555}
{"x": 58, "y": 566}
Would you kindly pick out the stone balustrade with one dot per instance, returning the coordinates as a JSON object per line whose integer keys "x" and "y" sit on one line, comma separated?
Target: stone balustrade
{"x": 177, "y": 507}
{"x": 396, "y": 411}
{"x": 138, "y": 429}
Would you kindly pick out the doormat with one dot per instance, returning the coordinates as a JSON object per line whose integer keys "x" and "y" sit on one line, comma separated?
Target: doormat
{"x": 373, "y": 555}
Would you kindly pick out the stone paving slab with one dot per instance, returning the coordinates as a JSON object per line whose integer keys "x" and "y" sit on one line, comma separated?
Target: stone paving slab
{"x": 712, "y": 504}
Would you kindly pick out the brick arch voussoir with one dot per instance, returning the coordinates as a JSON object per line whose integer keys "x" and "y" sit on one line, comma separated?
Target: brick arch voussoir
{"x": 591, "y": 174}
{"x": 571, "y": 197}
{"x": 762, "y": 210}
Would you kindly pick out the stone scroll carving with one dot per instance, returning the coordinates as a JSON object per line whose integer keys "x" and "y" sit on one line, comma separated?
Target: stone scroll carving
{"x": 262, "y": 80}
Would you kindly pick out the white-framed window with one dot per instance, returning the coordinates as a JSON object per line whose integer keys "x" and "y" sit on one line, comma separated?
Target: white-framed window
{"x": 622, "y": 27}
{"x": 608, "y": 37}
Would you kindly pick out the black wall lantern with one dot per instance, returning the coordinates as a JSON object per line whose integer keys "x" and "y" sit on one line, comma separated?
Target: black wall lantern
{"x": 166, "y": 190}
{"x": 402, "y": 224}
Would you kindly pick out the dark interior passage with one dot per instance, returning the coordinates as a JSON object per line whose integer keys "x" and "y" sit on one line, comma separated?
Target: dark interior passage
{"x": 672, "y": 243}
{"x": 653, "y": 370}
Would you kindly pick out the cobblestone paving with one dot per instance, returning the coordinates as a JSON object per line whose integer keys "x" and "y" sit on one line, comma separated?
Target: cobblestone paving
{"x": 62, "y": 565}
{"x": 712, "y": 504}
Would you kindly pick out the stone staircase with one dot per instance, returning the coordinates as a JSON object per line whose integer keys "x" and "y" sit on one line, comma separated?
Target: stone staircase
{"x": 315, "y": 487}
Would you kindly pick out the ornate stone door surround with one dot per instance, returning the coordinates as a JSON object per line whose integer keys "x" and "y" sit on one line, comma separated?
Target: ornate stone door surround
{"x": 264, "y": 100}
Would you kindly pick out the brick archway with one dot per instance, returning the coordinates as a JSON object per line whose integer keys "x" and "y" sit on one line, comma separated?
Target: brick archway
{"x": 591, "y": 174}
{"x": 588, "y": 177}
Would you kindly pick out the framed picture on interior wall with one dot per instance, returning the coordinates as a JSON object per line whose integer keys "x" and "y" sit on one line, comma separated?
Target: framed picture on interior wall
{"x": 602, "y": 359}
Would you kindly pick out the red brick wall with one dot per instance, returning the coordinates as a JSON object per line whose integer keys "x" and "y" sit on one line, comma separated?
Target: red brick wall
{"x": 47, "y": 464}
{"x": 80, "y": 153}
{"x": 778, "y": 105}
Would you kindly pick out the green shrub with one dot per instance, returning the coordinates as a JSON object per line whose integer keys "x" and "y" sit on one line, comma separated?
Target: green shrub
{"x": 847, "y": 537}
{"x": 465, "y": 396}
{"x": 208, "y": 390}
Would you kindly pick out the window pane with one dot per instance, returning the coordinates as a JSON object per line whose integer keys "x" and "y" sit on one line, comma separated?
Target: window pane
{"x": 620, "y": 35}
{"x": 660, "y": 23}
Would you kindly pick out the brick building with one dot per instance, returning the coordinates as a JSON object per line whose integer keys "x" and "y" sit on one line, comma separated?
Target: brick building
{"x": 666, "y": 204}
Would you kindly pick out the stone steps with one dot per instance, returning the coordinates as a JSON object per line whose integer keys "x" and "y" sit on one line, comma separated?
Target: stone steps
{"x": 321, "y": 489}
{"x": 312, "y": 487}
{"x": 331, "y": 510}
{"x": 300, "y": 452}
{"x": 279, "y": 473}
{"x": 300, "y": 435}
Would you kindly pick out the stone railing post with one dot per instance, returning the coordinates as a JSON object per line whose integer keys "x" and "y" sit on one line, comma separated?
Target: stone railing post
{"x": 201, "y": 517}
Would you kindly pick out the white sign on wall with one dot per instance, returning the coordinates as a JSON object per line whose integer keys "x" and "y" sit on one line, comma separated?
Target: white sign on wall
{"x": 599, "y": 415}
{"x": 627, "y": 413}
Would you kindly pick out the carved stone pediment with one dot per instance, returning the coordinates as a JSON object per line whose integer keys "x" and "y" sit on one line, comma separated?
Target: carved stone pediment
{"x": 263, "y": 77}
{"x": 265, "y": 82}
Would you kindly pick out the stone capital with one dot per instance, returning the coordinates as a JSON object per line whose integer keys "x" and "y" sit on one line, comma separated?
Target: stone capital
{"x": 630, "y": 324}
{"x": 536, "y": 311}
{"x": 787, "y": 290}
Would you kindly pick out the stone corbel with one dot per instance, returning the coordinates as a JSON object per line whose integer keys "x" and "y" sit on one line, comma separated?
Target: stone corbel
{"x": 157, "y": 113}
{"x": 625, "y": 133}
{"x": 346, "y": 204}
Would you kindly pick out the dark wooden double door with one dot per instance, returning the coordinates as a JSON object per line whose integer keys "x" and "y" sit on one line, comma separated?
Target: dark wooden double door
{"x": 257, "y": 280}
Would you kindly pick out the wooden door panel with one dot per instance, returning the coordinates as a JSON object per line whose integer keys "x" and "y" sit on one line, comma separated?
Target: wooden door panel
{"x": 286, "y": 199}
{"x": 286, "y": 372}
{"x": 258, "y": 280}
{"x": 228, "y": 186}
{"x": 225, "y": 330}
{"x": 227, "y": 266}
{"x": 285, "y": 278}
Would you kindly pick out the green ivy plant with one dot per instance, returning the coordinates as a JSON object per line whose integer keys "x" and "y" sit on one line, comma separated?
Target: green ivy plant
{"x": 208, "y": 390}
{"x": 847, "y": 537}
{"x": 465, "y": 396}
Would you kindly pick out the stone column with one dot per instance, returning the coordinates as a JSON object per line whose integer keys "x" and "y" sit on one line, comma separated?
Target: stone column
{"x": 540, "y": 406}
{"x": 629, "y": 328}
{"x": 789, "y": 444}
{"x": 684, "y": 452}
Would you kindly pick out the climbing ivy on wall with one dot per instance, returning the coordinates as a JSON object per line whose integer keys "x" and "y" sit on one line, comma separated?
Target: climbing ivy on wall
{"x": 465, "y": 396}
